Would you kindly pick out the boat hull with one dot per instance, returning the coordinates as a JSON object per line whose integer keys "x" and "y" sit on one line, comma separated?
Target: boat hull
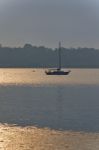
{"x": 57, "y": 72}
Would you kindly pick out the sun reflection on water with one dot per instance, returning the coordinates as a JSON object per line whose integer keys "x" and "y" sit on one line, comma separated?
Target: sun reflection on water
{"x": 38, "y": 77}
{"x": 19, "y": 138}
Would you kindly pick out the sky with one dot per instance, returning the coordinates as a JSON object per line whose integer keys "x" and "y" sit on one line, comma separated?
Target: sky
{"x": 46, "y": 22}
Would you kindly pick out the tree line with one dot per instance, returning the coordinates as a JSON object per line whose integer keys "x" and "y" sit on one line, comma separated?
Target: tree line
{"x": 40, "y": 56}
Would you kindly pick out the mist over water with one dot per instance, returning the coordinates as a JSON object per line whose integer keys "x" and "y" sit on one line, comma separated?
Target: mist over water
{"x": 29, "y": 97}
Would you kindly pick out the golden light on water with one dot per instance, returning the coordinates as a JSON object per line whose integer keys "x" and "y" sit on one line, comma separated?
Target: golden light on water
{"x": 32, "y": 138}
{"x": 37, "y": 77}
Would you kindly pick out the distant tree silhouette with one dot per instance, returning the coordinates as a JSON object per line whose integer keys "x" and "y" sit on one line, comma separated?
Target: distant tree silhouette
{"x": 28, "y": 46}
{"x": 33, "y": 56}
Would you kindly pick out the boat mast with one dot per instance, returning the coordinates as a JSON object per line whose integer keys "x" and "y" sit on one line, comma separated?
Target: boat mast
{"x": 59, "y": 54}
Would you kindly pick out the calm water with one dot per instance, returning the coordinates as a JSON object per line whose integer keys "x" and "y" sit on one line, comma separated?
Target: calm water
{"x": 29, "y": 97}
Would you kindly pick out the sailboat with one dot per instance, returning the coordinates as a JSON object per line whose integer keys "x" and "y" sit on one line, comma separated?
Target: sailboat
{"x": 58, "y": 70}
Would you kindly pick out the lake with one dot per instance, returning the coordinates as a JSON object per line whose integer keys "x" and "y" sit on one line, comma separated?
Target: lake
{"x": 30, "y": 97}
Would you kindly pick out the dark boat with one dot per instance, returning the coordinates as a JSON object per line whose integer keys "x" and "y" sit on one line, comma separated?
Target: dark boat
{"x": 57, "y": 71}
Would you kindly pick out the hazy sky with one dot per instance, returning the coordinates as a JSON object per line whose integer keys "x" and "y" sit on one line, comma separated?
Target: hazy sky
{"x": 45, "y": 22}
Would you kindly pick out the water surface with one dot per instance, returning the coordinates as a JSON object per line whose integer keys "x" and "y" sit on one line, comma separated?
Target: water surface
{"x": 29, "y": 97}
